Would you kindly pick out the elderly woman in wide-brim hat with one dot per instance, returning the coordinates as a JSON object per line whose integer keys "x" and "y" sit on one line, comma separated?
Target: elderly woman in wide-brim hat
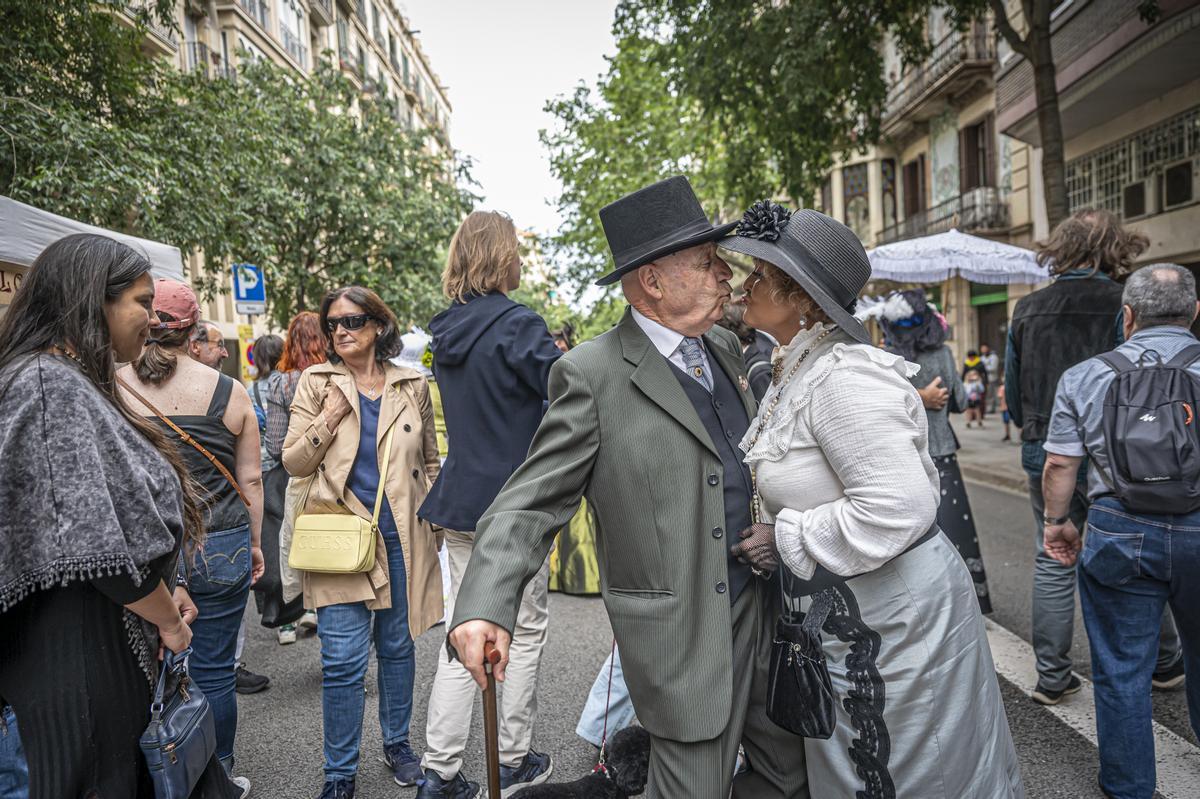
{"x": 847, "y": 499}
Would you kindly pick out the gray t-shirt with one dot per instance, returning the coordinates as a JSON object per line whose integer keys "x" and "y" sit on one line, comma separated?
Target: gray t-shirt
{"x": 1077, "y": 421}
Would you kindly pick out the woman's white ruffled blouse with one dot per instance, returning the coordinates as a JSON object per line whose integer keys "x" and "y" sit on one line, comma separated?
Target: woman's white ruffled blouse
{"x": 842, "y": 466}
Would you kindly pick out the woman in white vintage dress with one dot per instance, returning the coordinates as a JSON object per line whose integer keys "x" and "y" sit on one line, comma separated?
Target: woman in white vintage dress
{"x": 846, "y": 489}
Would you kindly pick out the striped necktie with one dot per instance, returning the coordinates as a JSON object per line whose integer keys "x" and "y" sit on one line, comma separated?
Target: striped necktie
{"x": 693, "y": 357}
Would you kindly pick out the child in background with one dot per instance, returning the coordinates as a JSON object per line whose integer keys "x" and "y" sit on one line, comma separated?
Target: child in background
{"x": 1002, "y": 404}
{"x": 976, "y": 390}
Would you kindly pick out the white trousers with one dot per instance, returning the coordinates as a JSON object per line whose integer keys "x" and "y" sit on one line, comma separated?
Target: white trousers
{"x": 452, "y": 699}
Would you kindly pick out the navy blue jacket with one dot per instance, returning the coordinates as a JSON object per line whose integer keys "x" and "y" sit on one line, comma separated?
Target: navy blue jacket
{"x": 491, "y": 359}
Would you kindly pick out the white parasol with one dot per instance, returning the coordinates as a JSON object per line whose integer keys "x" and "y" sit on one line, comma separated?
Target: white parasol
{"x": 932, "y": 259}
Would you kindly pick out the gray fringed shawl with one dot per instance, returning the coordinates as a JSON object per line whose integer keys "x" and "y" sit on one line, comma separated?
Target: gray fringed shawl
{"x": 82, "y": 494}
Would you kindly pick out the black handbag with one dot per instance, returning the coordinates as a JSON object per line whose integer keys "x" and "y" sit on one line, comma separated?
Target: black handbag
{"x": 799, "y": 691}
{"x": 181, "y": 737}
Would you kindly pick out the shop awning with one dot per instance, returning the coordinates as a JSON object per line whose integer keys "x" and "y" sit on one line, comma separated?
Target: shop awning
{"x": 25, "y": 231}
{"x": 932, "y": 259}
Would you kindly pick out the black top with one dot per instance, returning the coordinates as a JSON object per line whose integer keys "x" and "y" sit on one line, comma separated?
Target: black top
{"x": 1052, "y": 329}
{"x": 224, "y": 509}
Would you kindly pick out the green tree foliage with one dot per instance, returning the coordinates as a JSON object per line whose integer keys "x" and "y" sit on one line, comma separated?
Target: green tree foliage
{"x": 758, "y": 97}
{"x": 634, "y": 128}
{"x": 320, "y": 186}
{"x": 308, "y": 178}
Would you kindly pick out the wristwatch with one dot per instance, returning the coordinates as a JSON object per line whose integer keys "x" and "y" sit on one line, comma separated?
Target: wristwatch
{"x": 1055, "y": 521}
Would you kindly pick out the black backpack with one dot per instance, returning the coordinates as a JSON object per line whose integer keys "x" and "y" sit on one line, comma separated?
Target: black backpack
{"x": 1150, "y": 430}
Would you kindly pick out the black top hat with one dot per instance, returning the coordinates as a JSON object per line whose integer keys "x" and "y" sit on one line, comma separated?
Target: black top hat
{"x": 818, "y": 252}
{"x": 655, "y": 221}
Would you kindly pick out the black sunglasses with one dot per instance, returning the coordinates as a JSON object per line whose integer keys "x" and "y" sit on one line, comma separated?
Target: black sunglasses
{"x": 354, "y": 322}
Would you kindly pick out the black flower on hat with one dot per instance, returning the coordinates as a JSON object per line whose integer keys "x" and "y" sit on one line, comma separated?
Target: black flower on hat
{"x": 764, "y": 221}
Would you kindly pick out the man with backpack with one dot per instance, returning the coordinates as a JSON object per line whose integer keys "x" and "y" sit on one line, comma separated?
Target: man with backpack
{"x": 1132, "y": 413}
{"x": 1052, "y": 329}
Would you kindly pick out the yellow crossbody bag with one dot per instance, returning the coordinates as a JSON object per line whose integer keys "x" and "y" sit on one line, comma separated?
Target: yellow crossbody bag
{"x": 338, "y": 543}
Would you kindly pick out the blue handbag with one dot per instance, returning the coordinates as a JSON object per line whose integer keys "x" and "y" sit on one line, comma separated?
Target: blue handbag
{"x": 181, "y": 737}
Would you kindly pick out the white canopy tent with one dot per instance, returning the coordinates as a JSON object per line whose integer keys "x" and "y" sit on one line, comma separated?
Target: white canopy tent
{"x": 25, "y": 231}
{"x": 932, "y": 259}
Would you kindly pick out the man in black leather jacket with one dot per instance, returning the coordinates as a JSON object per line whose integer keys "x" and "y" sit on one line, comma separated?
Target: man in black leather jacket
{"x": 1074, "y": 318}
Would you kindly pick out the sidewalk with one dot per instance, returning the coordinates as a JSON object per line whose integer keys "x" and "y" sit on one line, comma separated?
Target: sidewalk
{"x": 984, "y": 458}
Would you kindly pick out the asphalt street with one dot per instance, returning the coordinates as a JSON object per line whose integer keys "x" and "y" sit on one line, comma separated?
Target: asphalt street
{"x": 279, "y": 735}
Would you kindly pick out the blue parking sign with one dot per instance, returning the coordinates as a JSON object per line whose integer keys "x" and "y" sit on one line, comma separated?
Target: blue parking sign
{"x": 249, "y": 289}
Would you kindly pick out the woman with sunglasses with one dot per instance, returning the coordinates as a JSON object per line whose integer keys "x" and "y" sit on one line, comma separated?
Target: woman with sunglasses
{"x": 343, "y": 411}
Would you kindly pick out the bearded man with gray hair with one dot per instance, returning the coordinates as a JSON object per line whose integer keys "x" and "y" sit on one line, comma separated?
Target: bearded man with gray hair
{"x": 1132, "y": 412}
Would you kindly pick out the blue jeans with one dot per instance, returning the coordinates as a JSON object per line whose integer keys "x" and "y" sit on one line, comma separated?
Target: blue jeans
{"x": 1132, "y": 565}
{"x": 219, "y": 582}
{"x": 608, "y": 705}
{"x": 14, "y": 771}
{"x": 346, "y": 632}
{"x": 1053, "y": 629}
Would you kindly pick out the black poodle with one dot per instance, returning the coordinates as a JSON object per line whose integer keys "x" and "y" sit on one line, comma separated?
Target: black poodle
{"x": 628, "y": 766}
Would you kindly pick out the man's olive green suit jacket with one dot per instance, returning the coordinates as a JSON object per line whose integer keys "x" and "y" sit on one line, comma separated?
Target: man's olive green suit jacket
{"x": 621, "y": 431}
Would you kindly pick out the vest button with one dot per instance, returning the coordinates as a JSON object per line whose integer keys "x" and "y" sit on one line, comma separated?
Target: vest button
{"x": 718, "y": 532}
{"x": 416, "y": 474}
{"x": 340, "y": 502}
{"x": 729, "y": 434}
{"x": 717, "y": 405}
{"x": 408, "y": 428}
{"x": 720, "y": 588}
{"x": 713, "y": 479}
{"x": 321, "y": 467}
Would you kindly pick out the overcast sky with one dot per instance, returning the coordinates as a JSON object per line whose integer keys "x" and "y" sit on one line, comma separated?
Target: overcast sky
{"x": 500, "y": 61}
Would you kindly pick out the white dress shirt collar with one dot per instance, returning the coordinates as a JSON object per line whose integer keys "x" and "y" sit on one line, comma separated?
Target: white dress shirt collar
{"x": 664, "y": 339}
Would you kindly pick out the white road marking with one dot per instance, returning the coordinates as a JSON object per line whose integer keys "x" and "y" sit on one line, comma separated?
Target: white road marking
{"x": 1178, "y": 760}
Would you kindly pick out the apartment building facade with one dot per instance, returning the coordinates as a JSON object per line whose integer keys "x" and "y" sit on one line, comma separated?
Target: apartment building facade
{"x": 961, "y": 146}
{"x": 371, "y": 41}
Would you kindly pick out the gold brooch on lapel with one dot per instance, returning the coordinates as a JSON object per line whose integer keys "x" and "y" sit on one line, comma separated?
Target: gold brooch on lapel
{"x": 744, "y": 383}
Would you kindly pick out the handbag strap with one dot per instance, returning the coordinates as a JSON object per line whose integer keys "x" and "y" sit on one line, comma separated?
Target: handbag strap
{"x": 387, "y": 456}
{"x": 183, "y": 436}
{"x": 171, "y": 663}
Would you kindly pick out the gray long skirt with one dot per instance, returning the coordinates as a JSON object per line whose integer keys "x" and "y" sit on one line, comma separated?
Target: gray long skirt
{"x": 919, "y": 711}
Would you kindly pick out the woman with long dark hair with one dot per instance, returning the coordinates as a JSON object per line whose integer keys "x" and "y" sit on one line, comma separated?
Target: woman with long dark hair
{"x": 95, "y": 507}
{"x": 222, "y": 453}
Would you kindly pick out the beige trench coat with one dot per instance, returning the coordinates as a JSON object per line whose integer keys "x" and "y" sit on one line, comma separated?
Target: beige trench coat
{"x": 310, "y": 449}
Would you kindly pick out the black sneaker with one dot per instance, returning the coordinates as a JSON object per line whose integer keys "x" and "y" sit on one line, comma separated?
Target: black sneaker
{"x": 1169, "y": 679}
{"x": 337, "y": 789}
{"x": 405, "y": 765}
{"x": 250, "y": 683}
{"x": 534, "y": 769}
{"x": 434, "y": 787}
{"x": 1044, "y": 696}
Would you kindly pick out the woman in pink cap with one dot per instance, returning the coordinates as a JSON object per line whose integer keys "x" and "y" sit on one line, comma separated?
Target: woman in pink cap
{"x": 181, "y": 394}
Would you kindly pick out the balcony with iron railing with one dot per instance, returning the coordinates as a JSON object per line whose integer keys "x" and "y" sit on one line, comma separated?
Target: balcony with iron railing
{"x": 980, "y": 209}
{"x": 294, "y": 46}
{"x": 162, "y": 35}
{"x": 196, "y": 57}
{"x": 257, "y": 9}
{"x": 954, "y": 63}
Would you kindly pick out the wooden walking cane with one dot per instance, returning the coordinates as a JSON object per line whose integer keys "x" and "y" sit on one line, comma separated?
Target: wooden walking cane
{"x": 491, "y": 734}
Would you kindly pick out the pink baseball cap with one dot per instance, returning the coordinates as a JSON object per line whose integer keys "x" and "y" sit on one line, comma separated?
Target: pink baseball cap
{"x": 178, "y": 300}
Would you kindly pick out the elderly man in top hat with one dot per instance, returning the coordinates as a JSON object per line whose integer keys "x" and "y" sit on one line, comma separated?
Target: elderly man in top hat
{"x": 645, "y": 422}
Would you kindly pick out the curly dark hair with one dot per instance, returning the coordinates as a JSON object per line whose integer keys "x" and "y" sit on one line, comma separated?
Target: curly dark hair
{"x": 1092, "y": 239}
{"x": 388, "y": 345}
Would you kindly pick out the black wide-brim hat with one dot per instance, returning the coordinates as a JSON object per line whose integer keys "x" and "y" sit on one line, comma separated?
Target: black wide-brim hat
{"x": 655, "y": 221}
{"x": 818, "y": 252}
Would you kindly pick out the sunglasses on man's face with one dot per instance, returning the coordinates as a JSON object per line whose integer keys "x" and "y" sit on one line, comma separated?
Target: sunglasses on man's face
{"x": 355, "y": 322}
